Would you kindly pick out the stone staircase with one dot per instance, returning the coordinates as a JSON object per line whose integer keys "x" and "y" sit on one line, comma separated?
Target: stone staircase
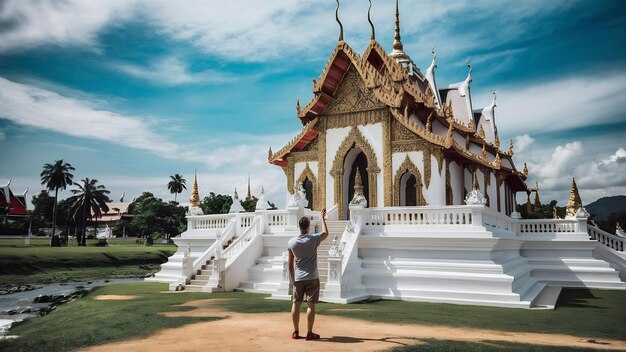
{"x": 335, "y": 228}
{"x": 202, "y": 275}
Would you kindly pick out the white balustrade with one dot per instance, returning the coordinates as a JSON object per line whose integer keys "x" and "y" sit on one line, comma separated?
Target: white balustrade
{"x": 607, "y": 239}
{"x": 277, "y": 218}
{"x": 214, "y": 221}
{"x": 530, "y": 226}
{"x": 376, "y": 217}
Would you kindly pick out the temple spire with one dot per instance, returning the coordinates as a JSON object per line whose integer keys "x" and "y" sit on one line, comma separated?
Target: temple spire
{"x": 369, "y": 19}
{"x": 574, "y": 202}
{"x": 339, "y": 22}
{"x": 397, "y": 43}
{"x": 249, "y": 195}
{"x": 194, "y": 199}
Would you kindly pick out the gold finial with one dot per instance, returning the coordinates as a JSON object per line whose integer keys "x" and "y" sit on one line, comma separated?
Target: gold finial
{"x": 298, "y": 108}
{"x": 496, "y": 143}
{"x": 194, "y": 199}
{"x": 537, "y": 200}
{"x": 397, "y": 43}
{"x": 497, "y": 162}
{"x": 339, "y": 22}
{"x": 483, "y": 153}
{"x": 510, "y": 147}
{"x": 358, "y": 184}
{"x": 525, "y": 170}
{"x": 574, "y": 202}
{"x": 269, "y": 154}
{"x": 369, "y": 19}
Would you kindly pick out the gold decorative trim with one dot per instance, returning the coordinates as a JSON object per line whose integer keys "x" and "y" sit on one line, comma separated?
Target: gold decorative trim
{"x": 321, "y": 163}
{"x": 289, "y": 171}
{"x": 308, "y": 173}
{"x": 354, "y": 139}
{"x": 351, "y": 119}
{"x": 387, "y": 161}
{"x": 299, "y": 157}
{"x": 408, "y": 166}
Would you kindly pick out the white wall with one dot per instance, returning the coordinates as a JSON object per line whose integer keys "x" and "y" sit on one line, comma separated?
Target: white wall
{"x": 455, "y": 183}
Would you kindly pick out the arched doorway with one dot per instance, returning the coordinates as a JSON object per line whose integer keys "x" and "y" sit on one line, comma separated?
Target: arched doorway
{"x": 408, "y": 186}
{"x": 408, "y": 190}
{"x": 355, "y": 161}
{"x": 308, "y": 190}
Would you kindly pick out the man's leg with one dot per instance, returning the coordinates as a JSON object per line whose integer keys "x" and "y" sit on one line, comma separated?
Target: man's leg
{"x": 310, "y": 316}
{"x": 295, "y": 315}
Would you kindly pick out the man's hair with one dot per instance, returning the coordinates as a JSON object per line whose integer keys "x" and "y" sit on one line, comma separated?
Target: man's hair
{"x": 304, "y": 223}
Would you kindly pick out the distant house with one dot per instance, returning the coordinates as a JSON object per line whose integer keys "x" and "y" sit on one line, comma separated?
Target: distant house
{"x": 117, "y": 211}
{"x": 11, "y": 204}
{"x": 13, "y": 211}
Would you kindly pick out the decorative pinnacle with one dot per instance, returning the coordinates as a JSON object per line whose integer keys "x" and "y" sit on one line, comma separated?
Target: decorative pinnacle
{"x": 369, "y": 19}
{"x": 298, "y": 107}
{"x": 525, "y": 170}
{"x": 574, "y": 202}
{"x": 397, "y": 43}
{"x": 475, "y": 186}
{"x": 358, "y": 184}
{"x": 339, "y": 22}
{"x": 194, "y": 199}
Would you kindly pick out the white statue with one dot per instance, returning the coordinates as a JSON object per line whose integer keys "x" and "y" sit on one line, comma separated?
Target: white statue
{"x": 619, "y": 231}
{"x": 236, "y": 206}
{"x": 261, "y": 204}
{"x": 475, "y": 196}
{"x": 298, "y": 198}
{"x": 194, "y": 211}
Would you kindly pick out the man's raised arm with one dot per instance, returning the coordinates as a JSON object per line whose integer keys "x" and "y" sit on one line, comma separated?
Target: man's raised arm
{"x": 325, "y": 233}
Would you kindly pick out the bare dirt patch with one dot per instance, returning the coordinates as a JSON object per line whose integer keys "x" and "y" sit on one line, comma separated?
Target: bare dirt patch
{"x": 114, "y": 297}
{"x": 271, "y": 332}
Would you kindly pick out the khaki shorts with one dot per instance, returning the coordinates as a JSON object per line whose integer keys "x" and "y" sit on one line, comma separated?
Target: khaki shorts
{"x": 309, "y": 287}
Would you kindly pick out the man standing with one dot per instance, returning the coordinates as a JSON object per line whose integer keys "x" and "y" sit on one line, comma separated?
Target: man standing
{"x": 304, "y": 274}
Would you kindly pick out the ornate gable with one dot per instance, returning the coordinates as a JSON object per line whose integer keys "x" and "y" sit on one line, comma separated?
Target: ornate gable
{"x": 353, "y": 96}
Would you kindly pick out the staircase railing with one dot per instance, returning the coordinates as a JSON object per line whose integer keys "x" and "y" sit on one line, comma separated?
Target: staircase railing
{"x": 605, "y": 238}
{"x": 240, "y": 243}
{"x": 224, "y": 237}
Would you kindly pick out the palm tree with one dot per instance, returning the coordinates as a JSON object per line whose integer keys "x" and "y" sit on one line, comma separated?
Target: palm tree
{"x": 176, "y": 185}
{"x": 56, "y": 176}
{"x": 89, "y": 200}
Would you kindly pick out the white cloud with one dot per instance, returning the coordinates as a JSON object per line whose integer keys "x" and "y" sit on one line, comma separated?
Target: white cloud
{"x": 522, "y": 142}
{"x": 28, "y": 105}
{"x": 243, "y": 30}
{"x": 171, "y": 71}
{"x": 618, "y": 157}
{"x": 28, "y": 24}
{"x": 596, "y": 176}
{"x": 559, "y": 104}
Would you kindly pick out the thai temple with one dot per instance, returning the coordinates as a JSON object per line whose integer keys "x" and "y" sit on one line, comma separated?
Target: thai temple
{"x": 421, "y": 199}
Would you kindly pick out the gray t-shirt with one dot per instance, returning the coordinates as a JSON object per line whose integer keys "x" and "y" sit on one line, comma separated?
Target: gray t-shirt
{"x": 304, "y": 249}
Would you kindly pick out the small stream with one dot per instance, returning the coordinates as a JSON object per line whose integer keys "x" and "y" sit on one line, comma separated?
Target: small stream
{"x": 22, "y": 302}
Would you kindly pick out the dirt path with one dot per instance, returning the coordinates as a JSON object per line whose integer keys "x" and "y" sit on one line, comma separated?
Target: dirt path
{"x": 114, "y": 297}
{"x": 271, "y": 332}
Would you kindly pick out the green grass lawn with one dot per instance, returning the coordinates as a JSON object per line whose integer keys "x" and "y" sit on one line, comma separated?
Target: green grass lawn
{"x": 584, "y": 313}
{"x": 45, "y": 242}
{"x": 40, "y": 264}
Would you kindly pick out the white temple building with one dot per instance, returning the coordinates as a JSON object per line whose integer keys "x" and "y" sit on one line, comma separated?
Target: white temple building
{"x": 420, "y": 198}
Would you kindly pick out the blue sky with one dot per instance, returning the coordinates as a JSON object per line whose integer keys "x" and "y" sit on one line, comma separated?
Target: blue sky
{"x": 132, "y": 91}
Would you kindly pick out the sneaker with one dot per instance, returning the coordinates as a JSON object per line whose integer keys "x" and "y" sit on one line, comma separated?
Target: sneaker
{"x": 312, "y": 336}
{"x": 295, "y": 335}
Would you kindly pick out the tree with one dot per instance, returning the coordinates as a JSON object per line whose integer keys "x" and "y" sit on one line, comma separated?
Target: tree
{"x": 216, "y": 204}
{"x": 43, "y": 208}
{"x": 151, "y": 215}
{"x": 56, "y": 176}
{"x": 176, "y": 185}
{"x": 89, "y": 199}
{"x": 249, "y": 204}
